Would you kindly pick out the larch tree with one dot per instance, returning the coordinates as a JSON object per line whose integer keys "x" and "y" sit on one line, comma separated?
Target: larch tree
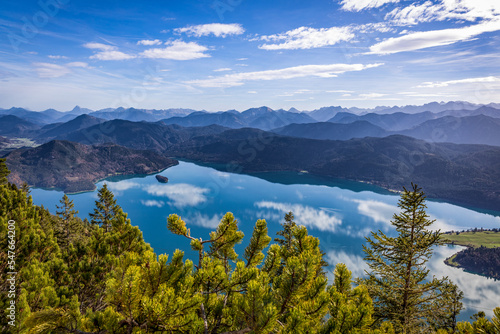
{"x": 399, "y": 281}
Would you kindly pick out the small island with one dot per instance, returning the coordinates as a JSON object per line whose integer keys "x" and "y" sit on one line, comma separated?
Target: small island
{"x": 162, "y": 179}
{"x": 482, "y": 255}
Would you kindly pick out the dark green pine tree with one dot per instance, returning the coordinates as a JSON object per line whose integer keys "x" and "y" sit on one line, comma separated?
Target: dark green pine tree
{"x": 398, "y": 281}
{"x": 4, "y": 171}
{"x": 67, "y": 215}
{"x": 106, "y": 209}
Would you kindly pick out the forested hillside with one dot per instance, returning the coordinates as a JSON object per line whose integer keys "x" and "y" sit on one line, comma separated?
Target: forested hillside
{"x": 74, "y": 167}
{"x": 481, "y": 260}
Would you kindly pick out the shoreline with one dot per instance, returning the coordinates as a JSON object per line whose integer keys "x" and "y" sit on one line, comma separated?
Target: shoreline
{"x": 373, "y": 186}
{"x": 103, "y": 179}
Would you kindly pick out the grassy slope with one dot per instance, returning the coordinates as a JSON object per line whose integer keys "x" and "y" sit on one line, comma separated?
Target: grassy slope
{"x": 488, "y": 239}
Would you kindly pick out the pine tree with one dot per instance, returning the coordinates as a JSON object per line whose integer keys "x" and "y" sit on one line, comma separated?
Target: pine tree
{"x": 287, "y": 241}
{"x": 398, "y": 281}
{"x": 4, "y": 171}
{"x": 106, "y": 209}
{"x": 350, "y": 309}
{"x": 37, "y": 255}
{"x": 67, "y": 215}
{"x": 286, "y": 295}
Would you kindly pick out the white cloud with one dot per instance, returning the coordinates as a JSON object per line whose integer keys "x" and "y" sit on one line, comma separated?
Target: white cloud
{"x": 490, "y": 79}
{"x": 216, "y": 29}
{"x": 368, "y": 28}
{"x": 224, "y": 69}
{"x": 149, "y": 42}
{"x": 151, "y": 203}
{"x": 340, "y": 91}
{"x": 107, "y": 52}
{"x": 178, "y": 50}
{"x": 305, "y": 215}
{"x": 436, "y": 96}
{"x": 415, "y": 13}
{"x": 57, "y": 57}
{"x": 359, "y": 5}
{"x": 112, "y": 55}
{"x": 370, "y": 96}
{"x": 432, "y": 38}
{"x": 307, "y": 38}
{"x": 323, "y": 71}
{"x": 100, "y": 46}
{"x": 47, "y": 70}
{"x": 467, "y": 10}
{"x": 78, "y": 64}
{"x": 180, "y": 195}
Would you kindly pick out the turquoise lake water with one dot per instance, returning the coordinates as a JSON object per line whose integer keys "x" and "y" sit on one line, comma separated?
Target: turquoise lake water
{"x": 340, "y": 214}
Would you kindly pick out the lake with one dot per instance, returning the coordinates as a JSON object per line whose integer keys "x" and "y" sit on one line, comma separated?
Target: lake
{"x": 341, "y": 214}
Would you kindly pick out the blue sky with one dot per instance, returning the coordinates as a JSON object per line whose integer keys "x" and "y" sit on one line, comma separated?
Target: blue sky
{"x": 236, "y": 54}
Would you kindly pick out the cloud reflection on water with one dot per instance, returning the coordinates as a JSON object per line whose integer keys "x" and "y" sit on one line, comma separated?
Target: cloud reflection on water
{"x": 180, "y": 195}
{"x": 305, "y": 215}
{"x": 479, "y": 293}
{"x": 354, "y": 263}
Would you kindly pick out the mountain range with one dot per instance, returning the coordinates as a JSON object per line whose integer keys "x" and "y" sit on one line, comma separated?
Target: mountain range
{"x": 138, "y": 135}
{"x": 13, "y": 126}
{"x": 333, "y": 131}
{"x": 263, "y": 118}
{"x": 439, "y": 126}
{"x": 451, "y": 149}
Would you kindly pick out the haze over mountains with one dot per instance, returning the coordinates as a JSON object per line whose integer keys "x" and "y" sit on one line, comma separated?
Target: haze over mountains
{"x": 387, "y": 146}
{"x": 455, "y": 122}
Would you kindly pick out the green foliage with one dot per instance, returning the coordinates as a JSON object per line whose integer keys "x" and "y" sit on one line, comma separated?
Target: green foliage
{"x": 398, "y": 280}
{"x": 4, "y": 171}
{"x": 350, "y": 309}
{"x": 286, "y": 231}
{"x": 260, "y": 240}
{"x": 481, "y": 324}
{"x": 37, "y": 254}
